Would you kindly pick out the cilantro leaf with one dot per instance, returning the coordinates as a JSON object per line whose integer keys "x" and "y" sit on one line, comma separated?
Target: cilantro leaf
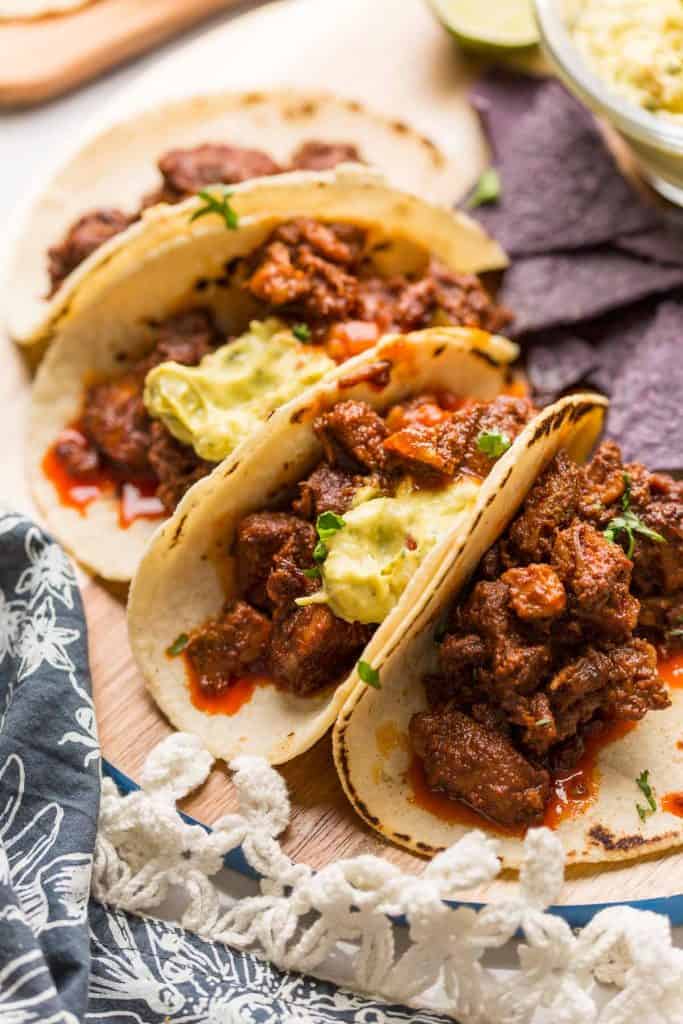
{"x": 327, "y": 524}
{"x": 302, "y": 332}
{"x": 629, "y": 523}
{"x": 178, "y": 645}
{"x": 643, "y": 784}
{"x": 493, "y": 443}
{"x": 369, "y": 674}
{"x": 487, "y": 190}
{"x": 220, "y": 206}
{"x": 313, "y": 573}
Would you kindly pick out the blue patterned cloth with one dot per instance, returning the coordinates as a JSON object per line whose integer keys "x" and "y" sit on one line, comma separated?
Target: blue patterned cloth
{"x": 64, "y": 958}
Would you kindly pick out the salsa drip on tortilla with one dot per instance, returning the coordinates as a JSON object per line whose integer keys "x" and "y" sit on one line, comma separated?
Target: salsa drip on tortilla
{"x": 330, "y": 303}
{"x": 553, "y": 642}
{"x": 317, "y": 572}
{"x": 185, "y": 172}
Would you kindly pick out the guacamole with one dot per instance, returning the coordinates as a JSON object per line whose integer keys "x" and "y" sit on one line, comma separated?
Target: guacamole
{"x": 637, "y": 47}
{"x": 217, "y": 404}
{"x": 383, "y": 541}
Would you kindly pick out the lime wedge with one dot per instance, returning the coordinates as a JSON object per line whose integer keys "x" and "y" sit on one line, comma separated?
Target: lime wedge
{"x": 478, "y": 25}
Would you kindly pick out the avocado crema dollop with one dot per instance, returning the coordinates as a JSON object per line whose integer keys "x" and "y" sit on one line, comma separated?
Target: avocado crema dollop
{"x": 382, "y": 543}
{"x": 215, "y": 405}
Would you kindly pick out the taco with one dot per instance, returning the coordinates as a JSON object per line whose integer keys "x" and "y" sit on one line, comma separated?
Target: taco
{"x": 178, "y": 346}
{"x": 298, "y": 558}
{"x": 176, "y": 149}
{"x": 530, "y": 687}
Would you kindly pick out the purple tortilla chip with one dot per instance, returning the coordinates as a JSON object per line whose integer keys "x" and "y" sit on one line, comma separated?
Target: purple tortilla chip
{"x": 501, "y": 98}
{"x": 567, "y": 288}
{"x": 646, "y": 413}
{"x": 615, "y": 339}
{"x": 561, "y": 188}
{"x": 664, "y": 244}
{"x": 559, "y": 363}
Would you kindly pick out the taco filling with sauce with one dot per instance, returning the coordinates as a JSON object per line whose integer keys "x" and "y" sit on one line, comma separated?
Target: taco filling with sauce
{"x": 185, "y": 172}
{"x": 321, "y": 569}
{"x": 553, "y": 641}
{"x": 151, "y": 432}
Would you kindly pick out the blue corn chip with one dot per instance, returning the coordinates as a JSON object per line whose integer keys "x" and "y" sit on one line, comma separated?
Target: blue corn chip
{"x": 501, "y": 98}
{"x": 562, "y": 289}
{"x": 646, "y": 413}
{"x": 559, "y": 363}
{"x": 663, "y": 244}
{"x": 561, "y": 188}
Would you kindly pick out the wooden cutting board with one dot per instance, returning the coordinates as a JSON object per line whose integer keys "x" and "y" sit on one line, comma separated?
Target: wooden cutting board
{"x": 323, "y": 827}
{"x": 44, "y": 57}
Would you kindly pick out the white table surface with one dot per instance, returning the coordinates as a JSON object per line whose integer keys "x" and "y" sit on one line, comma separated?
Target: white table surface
{"x": 31, "y": 141}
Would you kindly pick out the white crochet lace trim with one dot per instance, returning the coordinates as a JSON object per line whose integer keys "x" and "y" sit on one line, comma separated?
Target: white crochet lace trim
{"x": 144, "y": 848}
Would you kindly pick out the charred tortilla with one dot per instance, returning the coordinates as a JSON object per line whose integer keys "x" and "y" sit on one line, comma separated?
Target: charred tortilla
{"x": 197, "y": 561}
{"x": 270, "y": 128}
{"x": 296, "y": 251}
{"x": 582, "y": 579}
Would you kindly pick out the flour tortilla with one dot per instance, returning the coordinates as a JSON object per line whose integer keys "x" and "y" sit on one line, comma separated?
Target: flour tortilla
{"x": 118, "y": 166}
{"x": 25, "y": 10}
{"x": 375, "y": 779}
{"x": 105, "y": 310}
{"x": 188, "y": 572}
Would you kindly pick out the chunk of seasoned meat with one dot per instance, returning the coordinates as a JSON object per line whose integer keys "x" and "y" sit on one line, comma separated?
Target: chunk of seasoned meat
{"x": 186, "y": 171}
{"x": 87, "y": 234}
{"x": 77, "y": 454}
{"x": 326, "y": 490}
{"x": 453, "y": 444}
{"x": 550, "y": 506}
{"x": 352, "y": 435}
{"x": 425, "y": 409}
{"x": 116, "y": 421}
{"x": 620, "y": 680}
{"x": 260, "y": 536}
{"x": 601, "y": 484}
{"x": 287, "y": 579}
{"x": 597, "y": 576}
{"x": 657, "y": 566}
{"x": 535, "y": 592}
{"x": 479, "y": 766}
{"x": 226, "y": 647}
{"x": 323, "y": 156}
{"x": 176, "y": 466}
{"x": 460, "y": 657}
{"x": 185, "y": 337}
{"x": 516, "y": 664}
{"x": 460, "y": 297}
{"x": 312, "y": 648}
{"x": 307, "y": 268}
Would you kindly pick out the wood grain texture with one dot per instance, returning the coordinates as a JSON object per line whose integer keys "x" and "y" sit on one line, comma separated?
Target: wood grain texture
{"x": 41, "y": 59}
{"x": 323, "y": 827}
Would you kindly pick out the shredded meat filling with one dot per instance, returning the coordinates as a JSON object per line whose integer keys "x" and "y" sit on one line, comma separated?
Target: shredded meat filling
{"x": 552, "y": 640}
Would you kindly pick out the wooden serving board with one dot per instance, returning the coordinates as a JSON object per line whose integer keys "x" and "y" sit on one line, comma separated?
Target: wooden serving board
{"x": 323, "y": 826}
{"x": 44, "y": 57}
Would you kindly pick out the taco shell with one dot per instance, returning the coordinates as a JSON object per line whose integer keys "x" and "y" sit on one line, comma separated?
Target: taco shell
{"x": 101, "y": 319}
{"x": 188, "y": 571}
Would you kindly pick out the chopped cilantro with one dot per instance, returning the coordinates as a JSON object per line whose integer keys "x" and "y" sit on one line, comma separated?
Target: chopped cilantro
{"x": 629, "y": 523}
{"x": 313, "y": 573}
{"x": 327, "y": 524}
{"x": 643, "y": 784}
{"x": 493, "y": 443}
{"x": 487, "y": 190}
{"x": 369, "y": 674}
{"x": 302, "y": 332}
{"x": 178, "y": 645}
{"x": 221, "y": 206}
